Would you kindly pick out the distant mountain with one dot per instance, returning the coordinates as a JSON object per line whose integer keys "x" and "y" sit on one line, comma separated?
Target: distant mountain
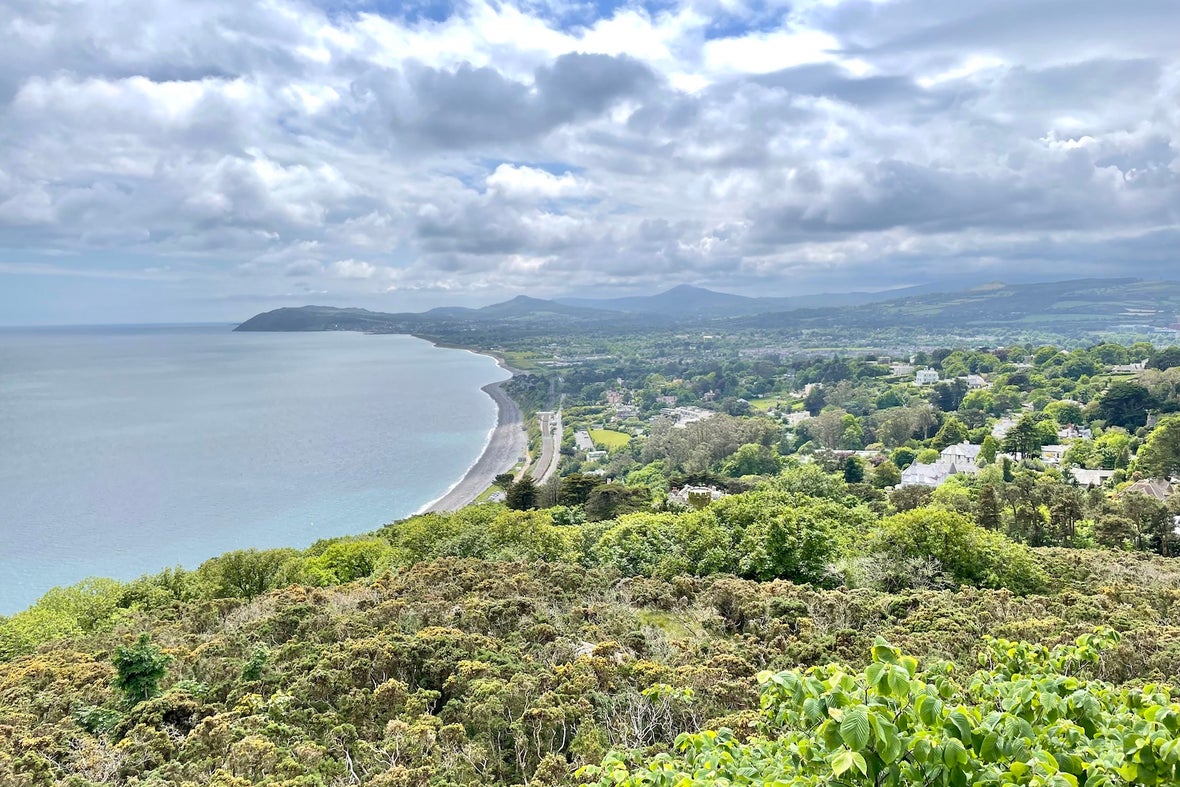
{"x": 522, "y": 306}
{"x": 686, "y": 301}
{"x": 681, "y": 301}
{"x": 521, "y": 309}
{"x": 1062, "y": 307}
{"x": 322, "y": 318}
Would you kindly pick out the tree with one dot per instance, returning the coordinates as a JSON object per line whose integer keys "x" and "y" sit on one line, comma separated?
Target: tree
{"x": 608, "y": 501}
{"x": 886, "y": 474}
{"x": 503, "y": 480}
{"x": 522, "y": 495}
{"x": 988, "y": 450}
{"x": 854, "y": 470}
{"x": 1165, "y": 358}
{"x": 907, "y": 498}
{"x": 897, "y": 428}
{"x": 752, "y": 459}
{"x": 139, "y": 669}
{"x": 1125, "y": 403}
{"x": 952, "y": 432}
{"x": 1064, "y": 412}
{"x": 1160, "y": 455}
{"x": 814, "y": 401}
{"x": 927, "y": 456}
{"x": 1024, "y": 439}
{"x": 576, "y": 488}
{"x": 987, "y": 508}
{"x": 246, "y": 573}
{"x": 970, "y": 553}
{"x": 904, "y": 457}
{"x": 827, "y": 427}
{"x": 347, "y": 561}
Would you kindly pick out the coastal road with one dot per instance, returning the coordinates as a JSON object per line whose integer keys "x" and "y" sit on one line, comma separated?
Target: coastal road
{"x": 550, "y": 423}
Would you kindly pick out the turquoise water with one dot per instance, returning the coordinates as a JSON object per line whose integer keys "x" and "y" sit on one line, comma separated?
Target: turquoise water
{"x": 126, "y": 450}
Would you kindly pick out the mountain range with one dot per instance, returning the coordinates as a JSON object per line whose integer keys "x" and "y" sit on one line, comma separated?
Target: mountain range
{"x": 1072, "y": 306}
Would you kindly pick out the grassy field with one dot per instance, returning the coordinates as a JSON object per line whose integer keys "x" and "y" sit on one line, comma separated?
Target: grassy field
{"x": 762, "y": 405}
{"x": 609, "y": 439}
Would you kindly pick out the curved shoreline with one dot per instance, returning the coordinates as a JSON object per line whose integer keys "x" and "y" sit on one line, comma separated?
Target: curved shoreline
{"x": 506, "y": 443}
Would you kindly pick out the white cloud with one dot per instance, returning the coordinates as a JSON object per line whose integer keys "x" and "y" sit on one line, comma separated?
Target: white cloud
{"x": 520, "y": 181}
{"x": 352, "y": 269}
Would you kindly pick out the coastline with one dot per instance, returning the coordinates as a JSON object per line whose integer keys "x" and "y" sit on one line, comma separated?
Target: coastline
{"x": 506, "y": 443}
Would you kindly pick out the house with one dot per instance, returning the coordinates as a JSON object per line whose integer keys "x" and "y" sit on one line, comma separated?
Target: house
{"x": 595, "y": 456}
{"x": 670, "y": 401}
{"x": 1074, "y": 432}
{"x": 615, "y": 397}
{"x": 975, "y": 382}
{"x": 1090, "y": 478}
{"x": 1002, "y": 427}
{"x": 962, "y": 454}
{"x": 1159, "y": 488}
{"x": 1053, "y": 454}
{"x": 926, "y": 376}
{"x": 686, "y": 415}
{"x": 919, "y": 474}
{"x": 901, "y": 369}
{"x": 695, "y": 496}
{"x": 1129, "y": 368}
{"x": 794, "y": 419}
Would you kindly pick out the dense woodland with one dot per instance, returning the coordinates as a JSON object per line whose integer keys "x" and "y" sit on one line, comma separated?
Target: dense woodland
{"x": 817, "y": 624}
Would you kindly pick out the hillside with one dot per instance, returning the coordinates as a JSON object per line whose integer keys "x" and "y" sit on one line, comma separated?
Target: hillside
{"x": 687, "y": 302}
{"x": 1063, "y": 307}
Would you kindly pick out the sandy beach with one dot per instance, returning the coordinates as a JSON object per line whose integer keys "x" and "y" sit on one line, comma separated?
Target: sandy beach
{"x": 507, "y": 444}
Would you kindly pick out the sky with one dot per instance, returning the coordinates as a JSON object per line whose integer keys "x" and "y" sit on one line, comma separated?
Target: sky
{"x": 209, "y": 159}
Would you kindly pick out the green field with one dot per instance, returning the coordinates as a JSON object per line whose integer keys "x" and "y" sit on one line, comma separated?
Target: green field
{"x": 609, "y": 439}
{"x": 762, "y": 405}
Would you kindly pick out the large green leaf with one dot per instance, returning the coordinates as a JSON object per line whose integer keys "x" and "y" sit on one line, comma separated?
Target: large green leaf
{"x": 854, "y": 729}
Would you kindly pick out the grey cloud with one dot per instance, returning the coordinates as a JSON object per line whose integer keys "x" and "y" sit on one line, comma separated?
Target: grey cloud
{"x": 827, "y": 79}
{"x": 471, "y": 106}
{"x": 907, "y": 27}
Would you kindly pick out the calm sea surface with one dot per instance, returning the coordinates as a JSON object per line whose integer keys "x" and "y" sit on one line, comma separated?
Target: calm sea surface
{"x": 126, "y": 450}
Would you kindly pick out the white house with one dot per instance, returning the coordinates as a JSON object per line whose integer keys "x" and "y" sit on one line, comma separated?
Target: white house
{"x": 1072, "y": 432}
{"x": 975, "y": 382}
{"x": 919, "y": 474}
{"x": 963, "y": 455}
{"x": 794, "y": 419}
{"x": 926, "y": 376}
{"x": 595, "y": 456}
{"x": 1090, "y": 478}
{"x": 1002, "y": 427}
{"x": 1053, "y": 454}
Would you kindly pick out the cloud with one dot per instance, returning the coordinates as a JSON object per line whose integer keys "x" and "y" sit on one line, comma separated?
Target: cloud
{"x": 352, "y": 269}
{"x": 499, "y": 146}
{"x": 531, "y": 183}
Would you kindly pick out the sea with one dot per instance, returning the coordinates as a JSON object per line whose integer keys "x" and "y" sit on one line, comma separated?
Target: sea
{"x": 125, "y": 450}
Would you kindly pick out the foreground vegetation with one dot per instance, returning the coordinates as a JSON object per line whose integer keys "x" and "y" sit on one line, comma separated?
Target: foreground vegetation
{"x": 799, "y": 618}
{"x": 494, "y": 646}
